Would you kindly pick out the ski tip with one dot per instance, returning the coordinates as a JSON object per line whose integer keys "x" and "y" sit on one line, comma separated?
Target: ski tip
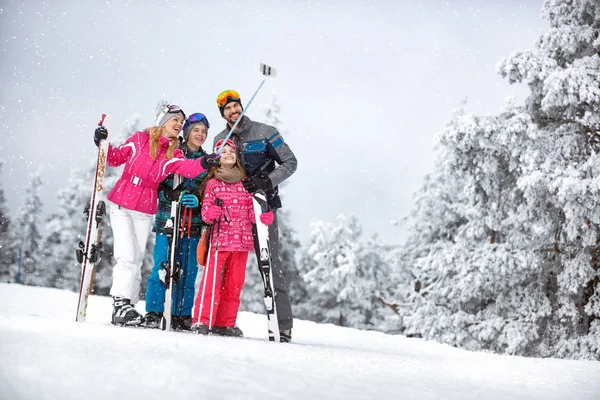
{"x": 106, "y": 121}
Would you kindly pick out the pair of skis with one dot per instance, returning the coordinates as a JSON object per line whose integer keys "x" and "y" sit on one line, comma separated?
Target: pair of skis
{"x": 263, "y": 256}
{"x": 89, "y": 252}
{"x": 171, "y": 269}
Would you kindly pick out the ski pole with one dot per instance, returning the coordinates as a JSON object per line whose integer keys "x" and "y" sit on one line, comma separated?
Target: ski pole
{"x": 212, "y": 299}
{"x": 266, "y": 70}
{"x": 183, "y": 258}
{"x": 206, "y": 269}
{"x": 186, "y": 258}
{"x": 183, "y": 252}
{"x": 173, "y": 244}
{"x": 205, "y": 272}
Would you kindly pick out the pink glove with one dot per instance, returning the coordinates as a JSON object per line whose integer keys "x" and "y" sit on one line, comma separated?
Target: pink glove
{"x": 212, "y": 213}
{"x": 267, "y": 217}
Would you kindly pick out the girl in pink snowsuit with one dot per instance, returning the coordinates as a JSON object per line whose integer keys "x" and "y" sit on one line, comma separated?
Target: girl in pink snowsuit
{"x": 229, "y": 208}
{"x": 149, "y": 157}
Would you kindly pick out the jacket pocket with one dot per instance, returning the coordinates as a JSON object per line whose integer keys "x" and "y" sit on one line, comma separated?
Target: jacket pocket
{"x": 255, "y": 146}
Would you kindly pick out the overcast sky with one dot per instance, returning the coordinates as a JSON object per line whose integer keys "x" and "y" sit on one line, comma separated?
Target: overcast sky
{"x": 364, "y": 86}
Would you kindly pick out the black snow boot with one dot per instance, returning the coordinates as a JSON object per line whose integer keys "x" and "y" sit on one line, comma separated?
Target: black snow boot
{"x": 153, "y": 319}
{"x": 181, "y": 323}
{"x": 285, "y": 336}
{"x": 124, "y": 313}
{"x": 227, "y": 331}
{"x": 200, "y": 329}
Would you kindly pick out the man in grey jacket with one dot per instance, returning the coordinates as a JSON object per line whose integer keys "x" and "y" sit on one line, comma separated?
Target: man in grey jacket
{"x": 268, "y": 161}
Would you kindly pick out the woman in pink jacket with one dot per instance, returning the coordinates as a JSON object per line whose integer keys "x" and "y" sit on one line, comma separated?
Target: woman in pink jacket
{"x": 149, "y": 157}
{"x": 229, "y": 208}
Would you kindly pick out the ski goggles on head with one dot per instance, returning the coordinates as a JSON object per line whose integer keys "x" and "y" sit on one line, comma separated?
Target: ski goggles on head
{"x": 168, "y": 109}
{"x": 173, "y": 109}
{"x": 229, "y": 143}
{"x": 225, "y": 96}
{"x": 196, "y": 118}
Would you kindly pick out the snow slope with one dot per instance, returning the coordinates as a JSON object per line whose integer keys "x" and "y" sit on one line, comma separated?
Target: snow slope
{"x": 44, "y": 354}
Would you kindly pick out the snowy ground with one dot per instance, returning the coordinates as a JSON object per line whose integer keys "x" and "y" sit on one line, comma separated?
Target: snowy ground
{"x": 44, "y": 354}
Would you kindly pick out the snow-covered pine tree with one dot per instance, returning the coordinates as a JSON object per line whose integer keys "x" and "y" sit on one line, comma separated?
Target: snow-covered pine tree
{"x": 470, "y": 249}
{"x": 7, "y": 244}
{"x": 65, "y": 228}
{"x": 345, "y": 276}
{"x": 506, "y": 242}
{"x": 288, "y": 243}
{"x": 29, "y": 236}
{"x": 396, "y": 291}
{"x": 561, "y": 171}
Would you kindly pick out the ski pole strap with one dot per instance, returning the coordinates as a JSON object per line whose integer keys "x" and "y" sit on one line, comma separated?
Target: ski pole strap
{"x": 137, "y": 181}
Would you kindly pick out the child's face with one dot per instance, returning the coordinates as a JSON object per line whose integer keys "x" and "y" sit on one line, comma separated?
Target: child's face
{"x": 197, "y": 135}
{"x": 228, "y": 157}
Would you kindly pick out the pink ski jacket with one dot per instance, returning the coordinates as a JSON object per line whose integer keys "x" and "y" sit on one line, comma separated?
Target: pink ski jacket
{"x": 235, "y": 233}
{"x": 137, "y": 188}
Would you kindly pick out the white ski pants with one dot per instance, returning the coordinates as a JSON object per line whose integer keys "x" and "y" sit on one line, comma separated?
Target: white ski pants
{"x": 131, "y": 230}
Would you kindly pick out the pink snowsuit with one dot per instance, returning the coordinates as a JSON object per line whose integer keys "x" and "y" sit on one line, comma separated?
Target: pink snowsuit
{"x": 137, "y": 189}
{"x": 234, "y": 233}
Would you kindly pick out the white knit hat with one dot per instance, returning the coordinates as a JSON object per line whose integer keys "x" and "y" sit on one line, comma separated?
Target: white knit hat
{"x": 166, "y": 111}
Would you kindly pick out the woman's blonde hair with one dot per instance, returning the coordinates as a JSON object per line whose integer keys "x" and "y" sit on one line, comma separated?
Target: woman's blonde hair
{"x": 155, "y": 133}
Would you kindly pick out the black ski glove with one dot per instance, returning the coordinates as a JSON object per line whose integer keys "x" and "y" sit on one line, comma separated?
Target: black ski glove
{"x": 255, "y": 183}
{"x": 173, "y": 194}
{"x": 210, "y": 160}
{"x": 100, "y": 134}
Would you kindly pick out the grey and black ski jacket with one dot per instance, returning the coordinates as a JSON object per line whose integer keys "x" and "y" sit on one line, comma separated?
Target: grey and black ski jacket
{"x": 260, "y": 147}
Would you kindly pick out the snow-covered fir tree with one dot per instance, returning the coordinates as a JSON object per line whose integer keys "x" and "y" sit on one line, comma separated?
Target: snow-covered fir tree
{"x": 561, "y": 170}
{"x": 505, "y": 245}
{"x": 65, "y": 228}
{"x": 7, "y": 244}
{"x": 468, "y": 250}
{"x": 343, "y": 276}
{"x": 29, "y": 238}
{"x": 396, "y": 290}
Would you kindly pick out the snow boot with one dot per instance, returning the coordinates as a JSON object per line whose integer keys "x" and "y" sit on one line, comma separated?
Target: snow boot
{"x": 181, "y": 323}
{"x": 124, "y": 314}
{"x": 227, "y": 331}
{"x": 153, "y": 319}
{"x": 285, "y": 336}
{"x": 200, "y": 329}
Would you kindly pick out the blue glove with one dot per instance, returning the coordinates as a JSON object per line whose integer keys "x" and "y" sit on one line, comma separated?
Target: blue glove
{"x": 189, "y": 200}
